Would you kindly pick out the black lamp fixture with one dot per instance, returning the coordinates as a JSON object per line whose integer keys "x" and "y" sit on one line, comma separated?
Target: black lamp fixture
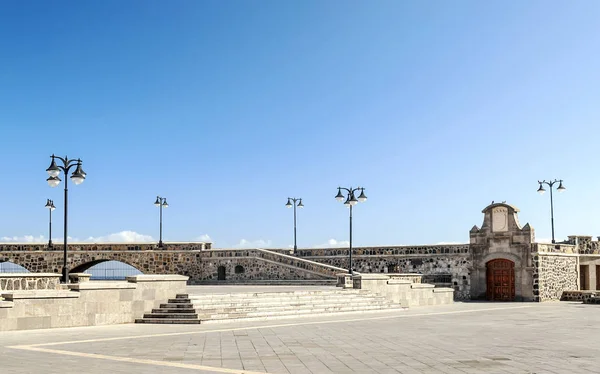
{"x": 351, "y": 200}
{"x": 294, "y": 202}
{"x": 161, "y": 202}
{"x": 78, "y": 176}
{"x": 541, "y": 191}
{"x": 50, "y": 206}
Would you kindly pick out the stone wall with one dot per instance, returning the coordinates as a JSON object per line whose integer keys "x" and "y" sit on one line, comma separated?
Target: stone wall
{"x": 88, "y": 303}
{"x": 552, "y": 275}
{"x": 447, "y": 265}
{"x": 177, "y": 258}
{"x": 260, "y": 264}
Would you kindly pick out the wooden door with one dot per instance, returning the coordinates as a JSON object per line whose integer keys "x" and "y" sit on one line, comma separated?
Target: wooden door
{"x": 597, "y": 277}
{"x": 500, "y": 280}
{"x": 584, "y": 277}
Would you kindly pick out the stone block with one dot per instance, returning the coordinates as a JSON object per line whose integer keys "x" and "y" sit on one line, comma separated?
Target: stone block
{"x": 30, "y": 323}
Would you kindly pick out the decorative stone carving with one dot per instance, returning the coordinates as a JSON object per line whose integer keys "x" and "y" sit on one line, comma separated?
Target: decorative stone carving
{"x": 499, "y": 219}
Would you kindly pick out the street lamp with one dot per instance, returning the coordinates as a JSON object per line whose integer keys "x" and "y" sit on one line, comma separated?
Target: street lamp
{"x": 53, "y": 180}
{"x": 161, "y": 202}
{"x": 292, "y": 202}
{"x": 51, "y": 207}
{"x": 351, "y": 200}
{"x": 541, "y": 190}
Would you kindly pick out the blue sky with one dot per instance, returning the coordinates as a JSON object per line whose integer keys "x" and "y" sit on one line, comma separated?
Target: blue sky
{"x": 228, "y": 107}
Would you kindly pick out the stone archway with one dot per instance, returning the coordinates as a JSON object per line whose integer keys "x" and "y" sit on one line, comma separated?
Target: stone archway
{"x": 500, "y": 280}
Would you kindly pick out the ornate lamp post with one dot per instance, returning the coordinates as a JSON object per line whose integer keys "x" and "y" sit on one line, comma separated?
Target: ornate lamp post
{"x": 77, "y": 177}
{"x": 351, "y": 200}
{"x": 161, "y": 202}
{"x": 292, "y": 202}
{"x": 541, "y": 190}
{"x": 51, "y": 207}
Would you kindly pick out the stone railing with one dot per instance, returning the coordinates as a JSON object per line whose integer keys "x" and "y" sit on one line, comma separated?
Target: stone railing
{"x": 312, "y": 266}
{"x": 449, "y": 249}
{"x": 413, "y": 278}
{"x": 315, "y": 267}
{"x": 174, "y": 246}
{"x": 29, "y": 281}
{"x": 553, "y": 248}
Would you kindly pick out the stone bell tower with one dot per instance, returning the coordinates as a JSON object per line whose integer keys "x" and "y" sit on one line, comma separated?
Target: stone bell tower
{"x": 502, "y": 262}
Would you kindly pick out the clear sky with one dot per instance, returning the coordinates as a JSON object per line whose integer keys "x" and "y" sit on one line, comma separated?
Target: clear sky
{"x": 226, "y": 108}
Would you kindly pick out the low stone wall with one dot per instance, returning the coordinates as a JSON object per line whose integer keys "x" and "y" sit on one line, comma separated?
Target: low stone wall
{"x": 443, "y": 265}
{"x": 587, "y": 297}
{"x": 29, "y": 281}
{"x": 88, "y": 303}
{"x": 592, "y": 298}
{"x": 405, "y": 292}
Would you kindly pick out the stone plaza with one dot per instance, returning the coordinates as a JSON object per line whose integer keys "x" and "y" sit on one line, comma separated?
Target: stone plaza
{"x": 465, "y": 337}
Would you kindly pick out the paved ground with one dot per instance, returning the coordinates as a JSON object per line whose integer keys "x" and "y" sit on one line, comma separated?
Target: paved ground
{"x": 461, "y": 338}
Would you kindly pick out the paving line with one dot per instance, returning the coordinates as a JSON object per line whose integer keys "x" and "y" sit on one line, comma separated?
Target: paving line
{"x": 306, "y": 323}
{"x": 141, "y": 361}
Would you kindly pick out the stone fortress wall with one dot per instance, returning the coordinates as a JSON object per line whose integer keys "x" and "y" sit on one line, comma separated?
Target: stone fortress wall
{"x": 540, "y": 271}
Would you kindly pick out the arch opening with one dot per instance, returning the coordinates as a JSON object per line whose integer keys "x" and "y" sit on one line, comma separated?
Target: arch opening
{"x": 106, "y": 270}
{"x": 11, "y": 267}
{"x": 239, "y": 269}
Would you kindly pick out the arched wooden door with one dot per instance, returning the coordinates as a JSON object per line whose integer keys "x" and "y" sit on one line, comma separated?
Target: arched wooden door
{"x": 500, "y": 280}
{"x": 221, "y": 273}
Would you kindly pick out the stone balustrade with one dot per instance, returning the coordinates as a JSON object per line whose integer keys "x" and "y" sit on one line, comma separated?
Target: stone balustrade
{"x": 29, "y": 281}
{"x": 325, "y": 270}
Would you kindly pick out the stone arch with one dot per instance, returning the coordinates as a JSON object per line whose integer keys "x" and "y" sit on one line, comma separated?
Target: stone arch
{"x": 502, "y": 256}
{"x": 119, "y": 269}
{"x": 239, "y": 269}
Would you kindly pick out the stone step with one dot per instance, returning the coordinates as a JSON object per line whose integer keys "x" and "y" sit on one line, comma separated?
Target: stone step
{"x": 182, "y": 296}
{"x": 233, "y": 307}
{"x": 178, "y": 301}
{"x": 279, "y": 317}
{"x": 176, "y": 305}
{"x": 275, "y": 302}
{"x": 168, "y": 321}
{"x": 174, "y": 310}
{"x": 329, "y": 310}
{"x": 278, "y": 294}
{"x": 272, "y": 296}
{"x": 280, "y": 297}
{"x": 171, "y": 315}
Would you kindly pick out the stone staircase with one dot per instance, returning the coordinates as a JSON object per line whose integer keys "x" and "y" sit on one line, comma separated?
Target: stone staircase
{"x": 214, "y": 308}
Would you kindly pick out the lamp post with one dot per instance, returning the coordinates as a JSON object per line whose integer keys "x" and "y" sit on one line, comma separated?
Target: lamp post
{"x": 541, "y": 190}
{"x": 161, "y": 202}
{"x": 53, "y": 180}
{"x": 292, "y": 202}
{"x": 51, "y": 207}
{"x": 351, "y": 200}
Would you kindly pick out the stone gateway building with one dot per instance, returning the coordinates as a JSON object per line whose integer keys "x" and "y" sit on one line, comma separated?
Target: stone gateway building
{"x": 501, "y": 262}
